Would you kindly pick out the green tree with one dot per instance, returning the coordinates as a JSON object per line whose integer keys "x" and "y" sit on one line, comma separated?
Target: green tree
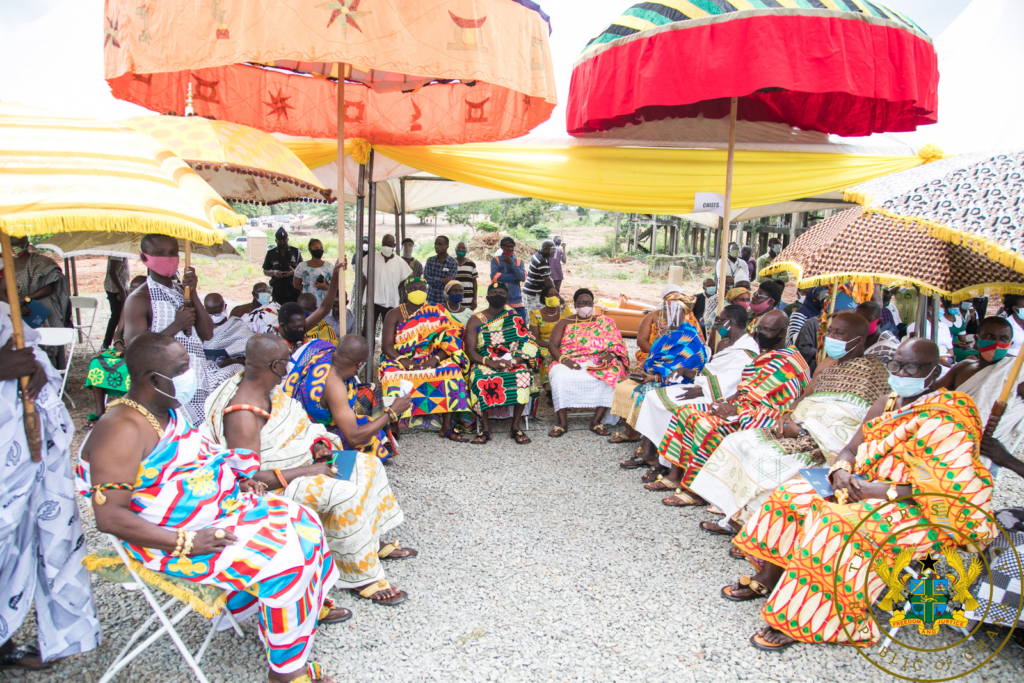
{"x": 462, "y": 214}
{"x": 327, "y": 217}
{"x": 250, "y": 210}
{"x": 424, "y": 214}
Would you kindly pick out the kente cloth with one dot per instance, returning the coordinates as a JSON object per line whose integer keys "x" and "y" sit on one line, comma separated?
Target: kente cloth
{"x": 583, "y": 340}
{"x": 324, "y": 332}
{"x": 753, "y": 323}
{"x": 108, "y": 372}
{"x": 164, "y": 302}
{"x": 230, "y": 337}
{"x": 307, "y": 378}
{"x": 504, "y": 336}
{"x": 999, "y": 594}
{"x": 719, "y": 378}
{"x": 885, "y": 347}
{"x": 280, "y": 565}
{"x": 984, "y": 387}
{"x": 263, "y": 320}
{"x": 417, "y": 336}
{"x": 543, "y": 335}
{"x": 580, "y": 389}
{"x": 354, "y": 513}
{"x": 678, "y": 348}
{"x": 42, "y": 544}
{"x": 747, "y": 466}
{"x": 769, "y": 386}
{"x": 931, "y": 445}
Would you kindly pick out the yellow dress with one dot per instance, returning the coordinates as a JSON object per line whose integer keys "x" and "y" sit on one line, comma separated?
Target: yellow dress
{"x": 544, "y": 328}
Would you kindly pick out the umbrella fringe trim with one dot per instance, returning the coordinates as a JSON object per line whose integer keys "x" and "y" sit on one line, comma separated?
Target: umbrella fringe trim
{"x": 925, "y": 288}
{"x": 44, "y": 222}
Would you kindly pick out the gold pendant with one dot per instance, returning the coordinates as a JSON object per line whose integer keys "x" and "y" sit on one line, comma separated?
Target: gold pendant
{"x": 100, "y": 498}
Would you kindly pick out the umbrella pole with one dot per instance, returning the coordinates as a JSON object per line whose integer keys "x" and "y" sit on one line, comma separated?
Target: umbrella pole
{"x": 999, "y": 407}
{"x": 342, "y": 308}
{"x": 31, "y": 417}
{"x": 188, "y": 290}
{"x": 833, "y": 291}
{"x": 724, "y": 250}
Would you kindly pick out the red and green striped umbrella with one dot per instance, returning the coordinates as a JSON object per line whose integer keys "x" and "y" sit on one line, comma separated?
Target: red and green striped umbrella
{"x": 847, "y": 67}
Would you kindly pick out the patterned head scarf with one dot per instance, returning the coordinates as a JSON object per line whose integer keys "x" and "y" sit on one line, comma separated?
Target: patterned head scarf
{"x": 497, "y": 285}
{"x": 735, "y": 292}
{"x": 450, "y": 285}
{"x": 675, "y": 309}
{"x": 413, "y": 280}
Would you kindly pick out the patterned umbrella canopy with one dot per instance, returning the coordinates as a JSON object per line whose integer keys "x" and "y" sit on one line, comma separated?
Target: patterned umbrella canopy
{"x": 67, "y": 244}
{"x": 241, "y": 163}
{"x": 417, "y": 73}
{"x": 859, "y": 245}
{"x": 973, "y": 200}
{"x": 812, "y": 65}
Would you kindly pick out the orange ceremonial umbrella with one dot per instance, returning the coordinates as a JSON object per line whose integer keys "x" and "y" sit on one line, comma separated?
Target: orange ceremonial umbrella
{"x": 403, "y": 72}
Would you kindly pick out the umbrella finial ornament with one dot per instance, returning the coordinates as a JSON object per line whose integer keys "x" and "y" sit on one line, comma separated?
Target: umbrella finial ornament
{"x": 189, "y": 111}
{"x": 931, "y": 152}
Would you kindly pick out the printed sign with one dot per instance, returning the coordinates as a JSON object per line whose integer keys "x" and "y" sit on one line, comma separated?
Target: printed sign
{"x": 709, "y": 202}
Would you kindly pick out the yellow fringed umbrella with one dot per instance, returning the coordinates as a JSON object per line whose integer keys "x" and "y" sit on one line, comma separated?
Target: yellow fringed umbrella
{"x": 69, "y": 175}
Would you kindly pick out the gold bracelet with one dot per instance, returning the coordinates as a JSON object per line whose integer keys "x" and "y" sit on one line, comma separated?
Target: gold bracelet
{"x": 841, "y": 465}
{"x": 190, "y": 537}
{"x": 892, "y": 493}
{"x": 179, "y": 544}
{"x": 392, "y": 415}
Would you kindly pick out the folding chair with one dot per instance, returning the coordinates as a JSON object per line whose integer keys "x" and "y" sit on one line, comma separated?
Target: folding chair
{"x": 199, "y": 598}
{"x": 85, "y": 303}
{"x": 60, "y": 336}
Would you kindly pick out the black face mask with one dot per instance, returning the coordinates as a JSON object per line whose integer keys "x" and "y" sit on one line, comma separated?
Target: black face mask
{"x": 316, "y": 253}
{"x": 292, "y": 335}
{"x": 766, "y": 342}
{"x": 497, "y": 301}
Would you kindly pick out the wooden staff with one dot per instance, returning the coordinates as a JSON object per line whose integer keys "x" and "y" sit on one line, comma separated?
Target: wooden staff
{"x": 342, "y": 308}
{"x": 999, "y": 407}
{"x": 188, "y": 290}
{"x": 834, "y": 291}
{"x": 31, "y": 417}
{"x": 724, "y": 247}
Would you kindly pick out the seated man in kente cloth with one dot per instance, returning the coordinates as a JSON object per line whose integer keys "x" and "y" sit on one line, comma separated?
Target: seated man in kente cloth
{"x": 590, "y": 358}
{"x": 719, "y": 378}
{"x": 915, "y": 442}
{"x": 505, "y": 358}
{"x": 677, "y": 355}
{"x": 770, "y": 386}
{"x": 251, "y": 411}
{"x": 225, "y": 350}
{"x": 747, "y": 466}
{"x": 182, "y": 506}
{"x": 260, "y": 314}
{"x": 422, "y": 344}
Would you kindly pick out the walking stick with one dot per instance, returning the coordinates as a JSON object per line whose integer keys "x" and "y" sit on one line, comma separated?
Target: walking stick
{"x": 31, "y": 417}
{"x": 999, "y": 407}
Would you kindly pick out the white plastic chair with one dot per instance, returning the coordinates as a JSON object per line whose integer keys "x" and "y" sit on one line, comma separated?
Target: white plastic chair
{"x": 124, "y": 657}
{"x": 85, "y": 303}
{"x": 60, "y": 336}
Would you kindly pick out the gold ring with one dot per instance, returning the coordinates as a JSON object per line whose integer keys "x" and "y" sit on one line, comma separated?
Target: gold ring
{"x": 219, "y": 533}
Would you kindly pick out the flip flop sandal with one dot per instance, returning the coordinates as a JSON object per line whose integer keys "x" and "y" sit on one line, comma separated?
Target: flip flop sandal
{"x": 516, "y": 435}
{"x": 326, "y": 609}
{"x": 737, "y": 554}
{"x": 715, "y": 530}
{"x": 760, "y": 590}
{"x": 656, "y": 471}
{"x": 450, "y": 435}
{"x": 633, "y": 463}
{"x": 486, "y": 436}
{"x": 387, "y": 551}
{"x": 556, "y": 432}
{"x": 769, "y": 648}
{"x": 622, "y": 438}
{"x": 599, "y": 430}
{"x": 688, "y": 500}
{"x": 666, "y": 485}
{"x": 9, "y": 660}
{"x": 374, "y": 588}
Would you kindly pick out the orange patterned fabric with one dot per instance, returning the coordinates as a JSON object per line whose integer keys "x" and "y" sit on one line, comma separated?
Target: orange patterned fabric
{"x": 443, "y": 73}
{"x": 931, "y": 445}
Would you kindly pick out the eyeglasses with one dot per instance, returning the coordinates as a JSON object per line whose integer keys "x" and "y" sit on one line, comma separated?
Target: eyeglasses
{"x": 272, "y": 363}
{"x": 895, "y": 366}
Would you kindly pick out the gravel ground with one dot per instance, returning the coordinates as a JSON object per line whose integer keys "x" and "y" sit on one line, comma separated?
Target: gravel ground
{"x": 537, "y": 563}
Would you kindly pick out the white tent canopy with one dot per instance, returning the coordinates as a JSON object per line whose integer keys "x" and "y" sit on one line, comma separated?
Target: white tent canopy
{"x": 981, "y": 62}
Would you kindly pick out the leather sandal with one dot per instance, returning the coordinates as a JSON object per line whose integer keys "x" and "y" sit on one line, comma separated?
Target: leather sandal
{"x": 760, "y": 590}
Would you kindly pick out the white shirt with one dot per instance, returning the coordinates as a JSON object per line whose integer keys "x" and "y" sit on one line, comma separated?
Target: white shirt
{"x": 737, "y": 270}
{"x": 387, "y": 275}
{"x": 895, "y": 312}
{"x": 945, "y": 337}
{"x": 1018, "y": 336}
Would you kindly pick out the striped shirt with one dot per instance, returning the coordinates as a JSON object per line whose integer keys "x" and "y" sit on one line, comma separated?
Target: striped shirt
{"x": 539, "y": 269}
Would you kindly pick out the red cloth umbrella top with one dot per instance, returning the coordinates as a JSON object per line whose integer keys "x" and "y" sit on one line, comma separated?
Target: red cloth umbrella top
{"x": 847, "y": 67}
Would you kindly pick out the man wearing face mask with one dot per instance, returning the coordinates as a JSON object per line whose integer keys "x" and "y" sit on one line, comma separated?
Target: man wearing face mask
{"x": 467, "y": 276}
{"x": 160, "y": 306}
{"x": 556, "y": 261}
{"x": 162, "y": 488}
{"x": 508, "y": 269}
{"x": 422, "y": 345}
{"x": 334, "y": 318}
{"x": 900, "y": 454}
{"x": 389, "y": 271}
{"x": 701, "y": 300}
{"x": 279, "y": 265}
{"x": 225, "y": 350}
{"x": 711, "y": 303}
{"x": 439, "y": 270}
{"x": 251, "y": 411}
{"x": 249, "y": 312}
{"x": 747, "y": 255}
{"x": 763, "y": 261}
{"x": 414, "y": 263}
{"x": 766, "y": 298}
{"x": 880, "y": 343}
{"x": 819, "y": 426}
{"x": 770, "y": 387}
{"x": 735, "y": 267}
{"x": 295, "y": 322}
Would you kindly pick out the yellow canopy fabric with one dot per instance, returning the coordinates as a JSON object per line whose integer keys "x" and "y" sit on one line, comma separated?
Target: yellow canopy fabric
{"x": 632, "y": 179}
{"x": 239, "y": 162}
{"x": 67, "y": 175}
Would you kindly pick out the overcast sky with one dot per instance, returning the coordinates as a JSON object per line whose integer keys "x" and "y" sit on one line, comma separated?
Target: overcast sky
{"x": 53, "y": 58}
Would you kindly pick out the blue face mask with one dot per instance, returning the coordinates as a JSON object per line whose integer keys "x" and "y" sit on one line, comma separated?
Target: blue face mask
{"x": 908, "y": 386}
{"x": 965, "y": 305}
{"x": 1020, "y": 314}
{"x": 455, "y": 298}
{"x": 835, "y": 348}
{"x": 263, "y": 298}
{"x": 710, "y": 291}
{"x": 723, "y": 332}
{"x": 185, "y": 386}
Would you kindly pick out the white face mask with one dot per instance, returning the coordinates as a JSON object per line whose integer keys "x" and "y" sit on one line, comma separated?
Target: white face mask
{"x": 387, "y": 252}
{"x": 776, "y": 248}
{"x": 585, "y": 311}
{"x": 218, "y": 318}
{"x": 185, "y": 386}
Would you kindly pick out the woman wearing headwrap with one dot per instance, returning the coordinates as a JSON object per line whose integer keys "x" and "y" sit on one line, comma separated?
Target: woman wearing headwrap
{"x": 453, "y": 296}
{"x": 676, "y": 357}
{"x": 811, "y": 309}
{"x": 654, "y": 325}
